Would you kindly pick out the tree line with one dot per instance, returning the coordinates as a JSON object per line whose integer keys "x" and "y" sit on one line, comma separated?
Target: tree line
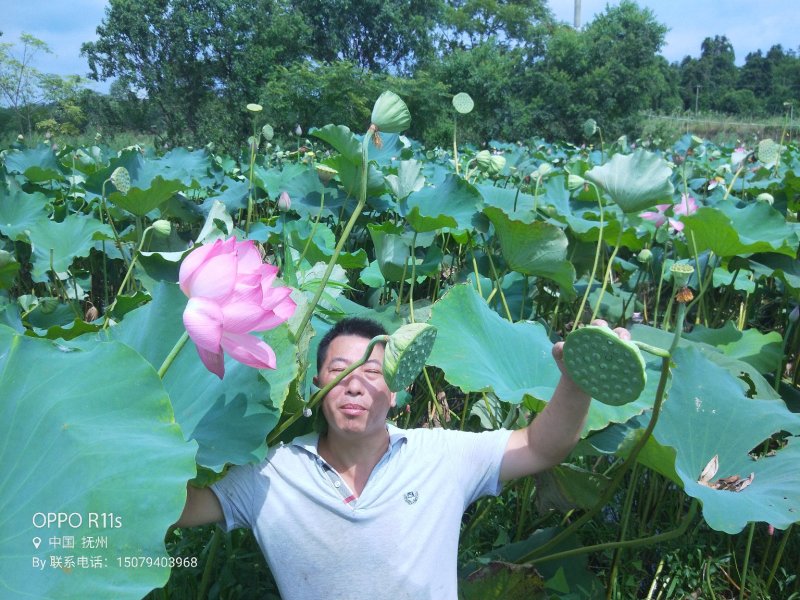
{"x": 185, "y": 70}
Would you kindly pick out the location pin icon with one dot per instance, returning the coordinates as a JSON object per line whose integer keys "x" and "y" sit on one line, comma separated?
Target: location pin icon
{"x": 36, "y": 542}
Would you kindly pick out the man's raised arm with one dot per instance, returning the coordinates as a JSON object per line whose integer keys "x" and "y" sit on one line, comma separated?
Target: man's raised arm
{"x": 554, "y": 432}
{"x": 202, "y": 507}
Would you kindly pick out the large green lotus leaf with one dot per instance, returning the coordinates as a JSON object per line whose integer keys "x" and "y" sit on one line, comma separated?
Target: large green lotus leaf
{"x": 322, "y": 245}
{"x": 481, "y": 352}
{"x": 585, "y": 225}
{"x": 761, "y": 350}
{"x": 392, "y": 250}
{"x": 754, "y": 229}
{"x": 87, "y": 433}
{"x": 141, "y": 201}
{"x": 634, "y": 181}
{"x": 534, "y": 247}
{"x": 341, "y": 139}
{"x": 349, "y": 175}
{"x": 451, "y": 203}
{"x": 229, "y": 418}
{"x": 73, "y": 237}
{"x": 409, "y": 179}
{"x": 786, "y": 268}
{"x": 36, "y": 164}
{"x": 20, "y": 211}
{"x": 708, "y": 415}
{"x": 510, "y": 200}
{"x": 189, "y": 167}
{"x": 233, "y": 197}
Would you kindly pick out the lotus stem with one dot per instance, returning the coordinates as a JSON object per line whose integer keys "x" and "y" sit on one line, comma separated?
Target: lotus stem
{"x": 579, "y": 315}
{"x": 172, "y": 354}
{"x": 213, "y": 546}
{"x": 749, "y": 545}
{"x": 362, "y": 200}
{"x": 778, "y": 556}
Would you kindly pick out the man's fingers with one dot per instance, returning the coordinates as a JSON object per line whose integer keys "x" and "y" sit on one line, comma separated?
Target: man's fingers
{"x": 621, "y": 332}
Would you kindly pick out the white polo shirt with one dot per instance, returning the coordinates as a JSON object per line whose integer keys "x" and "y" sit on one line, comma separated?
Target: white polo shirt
{"x": 398, "y": 540}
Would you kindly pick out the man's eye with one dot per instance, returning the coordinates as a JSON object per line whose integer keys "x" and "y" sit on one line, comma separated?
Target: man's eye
{"x": 374, "y": 371}
{"x": 336, "y": 369}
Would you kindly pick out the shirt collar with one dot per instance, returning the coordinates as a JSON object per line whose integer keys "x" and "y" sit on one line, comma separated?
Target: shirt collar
{"x": 309, "y": 441}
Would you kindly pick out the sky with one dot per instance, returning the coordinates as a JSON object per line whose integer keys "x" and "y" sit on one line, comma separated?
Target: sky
{"x": 749, "y": 24}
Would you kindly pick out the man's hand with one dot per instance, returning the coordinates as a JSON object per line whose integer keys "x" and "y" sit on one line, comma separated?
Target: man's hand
{"x": 555, "y": 431}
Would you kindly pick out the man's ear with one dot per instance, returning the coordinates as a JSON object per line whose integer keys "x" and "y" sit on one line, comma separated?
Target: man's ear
{"x": 315, "y": 380}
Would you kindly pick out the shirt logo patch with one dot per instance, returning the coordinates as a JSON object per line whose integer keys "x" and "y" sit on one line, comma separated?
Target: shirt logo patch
{"x": 411, "y": 497}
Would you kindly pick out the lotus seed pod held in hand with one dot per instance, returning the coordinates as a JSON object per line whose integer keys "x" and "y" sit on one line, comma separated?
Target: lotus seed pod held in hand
{"x": 609, "y": 369}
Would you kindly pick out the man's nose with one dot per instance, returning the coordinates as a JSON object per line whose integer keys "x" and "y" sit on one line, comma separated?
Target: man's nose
{"x": 353, "y": 383}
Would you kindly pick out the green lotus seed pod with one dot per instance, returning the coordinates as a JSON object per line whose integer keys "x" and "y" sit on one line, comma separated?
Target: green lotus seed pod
{"x": 768, "y": 151}
{"x": 606, "y": 367}
{"x": 681, "y": 272}
{"x": 589, "y": 127}
{"x": 406, "y": 352}
{"x": 390, "y": 114}
{"x": 121, "y": 180}
{"x": 463, "y": 103}
{"x": 253, "y": 107}
{"x": 645, "y": 256}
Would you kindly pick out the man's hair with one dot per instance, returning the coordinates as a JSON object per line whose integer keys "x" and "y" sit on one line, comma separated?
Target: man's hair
{"x": 366, "y": 328}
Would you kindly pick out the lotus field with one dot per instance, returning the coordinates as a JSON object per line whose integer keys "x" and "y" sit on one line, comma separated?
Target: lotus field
{"x": 160, "y": 313}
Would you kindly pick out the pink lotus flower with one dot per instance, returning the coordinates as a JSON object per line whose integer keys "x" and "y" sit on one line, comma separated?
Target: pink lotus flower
{"x": 230, "y": 295}
{"x": 686, "y": 206}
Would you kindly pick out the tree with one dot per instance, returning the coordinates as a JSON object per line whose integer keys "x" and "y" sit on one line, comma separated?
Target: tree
{"x": 706, "y": 80}
{"x": 198, "y": 61}
{"x": 378, "y": 35}
{"x": 19, "y": 79}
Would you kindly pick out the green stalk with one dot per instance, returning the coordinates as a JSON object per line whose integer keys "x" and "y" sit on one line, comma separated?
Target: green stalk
{"x": 362, "y": 200}
{"x": 626, "y": 513}
{"x": 579, "y": 315}
{"x": 213, "y": 546}
{"x": 172, "y": 354}
{"x": 413, "y": 277}
{"x": 499, "y": 288}
{"x": 746, "y": 559}
{"x": 108, "y": 309}
{"x": 607, "y": 274}
{"x": 778, "y": 556}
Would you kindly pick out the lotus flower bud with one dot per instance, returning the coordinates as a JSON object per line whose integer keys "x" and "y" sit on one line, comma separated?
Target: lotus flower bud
{"x": 267, "y": 132}
{"x": 298, "y": 130}
{"x": 681, "y": 272}
{"x": 284, "y": 202}
{"x": 91, "y": 314}
{"x": 496, "y": 163}
{"x": 484, "y": 159}
{"x": 390, "y": 114}
{"x": 20, "y": 138}
{"x": 121, "y": 180}
{"x": 255, "y": 108}
{"x": 406, "y": 352}
{"x": 645, "y": 255}
{"x": 543, "y": 169}
{"x": 162, "y": 227}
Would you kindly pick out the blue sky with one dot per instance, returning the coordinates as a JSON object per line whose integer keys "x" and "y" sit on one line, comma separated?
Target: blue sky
{"x": 749, "y": 24}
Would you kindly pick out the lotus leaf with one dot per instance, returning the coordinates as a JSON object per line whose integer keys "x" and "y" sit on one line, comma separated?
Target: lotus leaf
{"x": 634, "y": 181}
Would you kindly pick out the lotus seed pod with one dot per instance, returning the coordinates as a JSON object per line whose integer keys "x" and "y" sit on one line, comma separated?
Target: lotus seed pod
{"x": 765, "y": 197}
{"x": 768, "y": 151}
{"x": 606, "y": 367}
{"x": 589, "y": 127}
{"x": 406, "y": 352}
{"x": 575, "y": 182}
{"x": 253, "y": 107}
{"x": 645, "y": 255}
{"x": 121, "y": 180}
{"x": 268, "y": 132}
{"x": 306, "y": 412}
{"x": 463, "y": 103}
{"x": 681, "y": 272}
{"x": 390, "y": 114}
{"x": 162, "y": 227}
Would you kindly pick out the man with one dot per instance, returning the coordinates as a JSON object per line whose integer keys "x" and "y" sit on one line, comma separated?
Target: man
{"x": 369, "y": 511}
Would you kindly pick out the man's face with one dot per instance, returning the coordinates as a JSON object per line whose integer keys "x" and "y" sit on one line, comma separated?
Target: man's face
{"x": 359, "y": 403}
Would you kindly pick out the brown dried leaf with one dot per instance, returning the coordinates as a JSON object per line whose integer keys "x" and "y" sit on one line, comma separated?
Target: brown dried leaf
{"x": 709, "y": 471}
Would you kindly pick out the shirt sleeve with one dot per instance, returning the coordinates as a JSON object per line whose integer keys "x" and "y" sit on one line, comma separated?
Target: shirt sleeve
{"x": 479, "y": 457}
{"x": 235, "y": 493}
